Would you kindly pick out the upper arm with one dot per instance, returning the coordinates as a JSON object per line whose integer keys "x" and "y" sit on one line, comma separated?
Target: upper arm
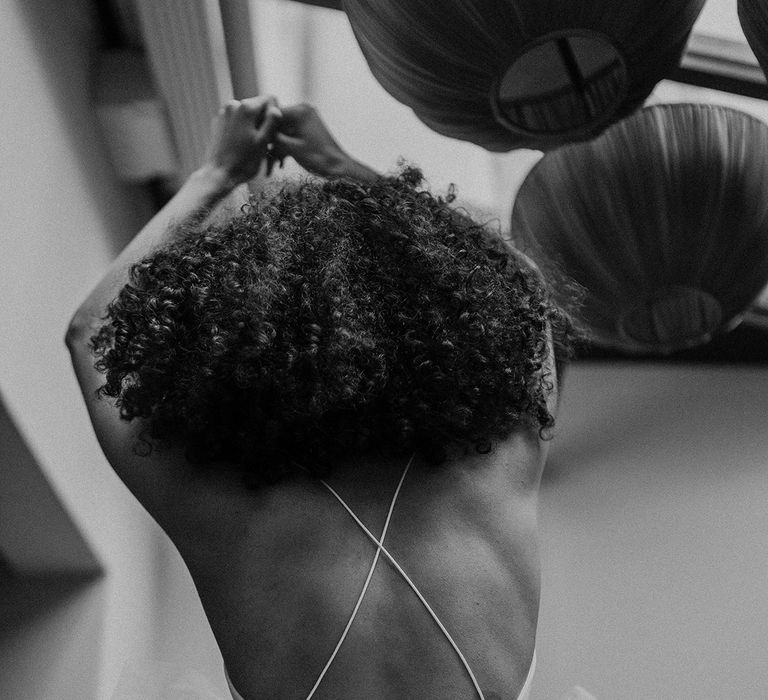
{"x": 153, "y": 476}
{"x": 197, "y": 509}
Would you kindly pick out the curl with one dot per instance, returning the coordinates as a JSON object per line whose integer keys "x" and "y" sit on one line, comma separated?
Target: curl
{"x": 333, "y": 319}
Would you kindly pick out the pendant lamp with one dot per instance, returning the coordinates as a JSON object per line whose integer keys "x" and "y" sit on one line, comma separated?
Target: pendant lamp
{"x": 753, "y": 15}
{"x": 663, "y": 220}
{"x": 510, "y": 74}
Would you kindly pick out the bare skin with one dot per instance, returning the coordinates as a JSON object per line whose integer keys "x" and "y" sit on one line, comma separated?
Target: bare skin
{"x": 279, "y": 569}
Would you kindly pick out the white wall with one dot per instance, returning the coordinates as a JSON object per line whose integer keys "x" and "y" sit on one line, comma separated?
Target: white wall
{"x": 63, "y": 216}
{"x": 720, "y": 18}
{"x": 655, "y": 536}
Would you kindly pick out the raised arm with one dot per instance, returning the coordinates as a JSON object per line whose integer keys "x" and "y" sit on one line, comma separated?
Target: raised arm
{"x": 241, "y": 135}
{"x": 303, "y": 136}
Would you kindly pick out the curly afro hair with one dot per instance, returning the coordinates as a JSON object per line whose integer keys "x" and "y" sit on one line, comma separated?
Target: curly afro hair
{"x": 333, "y": 319}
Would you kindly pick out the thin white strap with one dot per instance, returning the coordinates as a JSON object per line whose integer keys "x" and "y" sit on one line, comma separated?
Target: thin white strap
{"x": 370, "y": 572}
{"x": 381, "y": 548}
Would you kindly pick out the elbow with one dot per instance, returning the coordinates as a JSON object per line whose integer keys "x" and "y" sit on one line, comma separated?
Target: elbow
{"x": 78, "y": 333}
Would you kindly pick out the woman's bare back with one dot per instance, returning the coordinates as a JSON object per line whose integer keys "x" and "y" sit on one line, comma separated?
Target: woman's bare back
{"x": 280, "y": 569}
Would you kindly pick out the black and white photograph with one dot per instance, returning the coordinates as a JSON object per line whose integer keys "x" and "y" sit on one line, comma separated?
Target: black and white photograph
{"x": 384, "y": 350}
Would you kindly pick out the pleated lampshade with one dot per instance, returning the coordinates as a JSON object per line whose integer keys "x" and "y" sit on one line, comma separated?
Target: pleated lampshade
{"x": 663, "y": 220}
{"x": 753, "y": 15}
{"x": 510, "y": 74}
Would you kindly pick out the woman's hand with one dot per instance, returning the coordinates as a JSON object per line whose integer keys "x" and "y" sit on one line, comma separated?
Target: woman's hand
{"x": 241, "y": 136}
{"x": 303, "y": 136}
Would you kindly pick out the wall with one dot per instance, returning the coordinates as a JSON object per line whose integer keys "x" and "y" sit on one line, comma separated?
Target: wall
{"x": 655, "y": 533}
{"x": 63, "y": 216}
{"x": 720, "y": 18}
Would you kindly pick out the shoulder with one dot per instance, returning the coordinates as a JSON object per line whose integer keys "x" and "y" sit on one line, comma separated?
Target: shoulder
{"x": 220, "y": 524}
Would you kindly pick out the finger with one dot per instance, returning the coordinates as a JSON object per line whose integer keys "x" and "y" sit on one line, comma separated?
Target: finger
{"x": 274, "y": 109}
{"x": 302, "y": 109}
{"x": 268, "y": 126}
{"x": 286, "y": 144}
{"x": 252, "y": 112}
{"x": 290, "y": 113}
{"x": 293, "y": 115}
{"x": 257, "y": 106}
{"x": 229, "y": 106}
{"x": 278, "y": 153}
{"x": 265, "y": 126}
